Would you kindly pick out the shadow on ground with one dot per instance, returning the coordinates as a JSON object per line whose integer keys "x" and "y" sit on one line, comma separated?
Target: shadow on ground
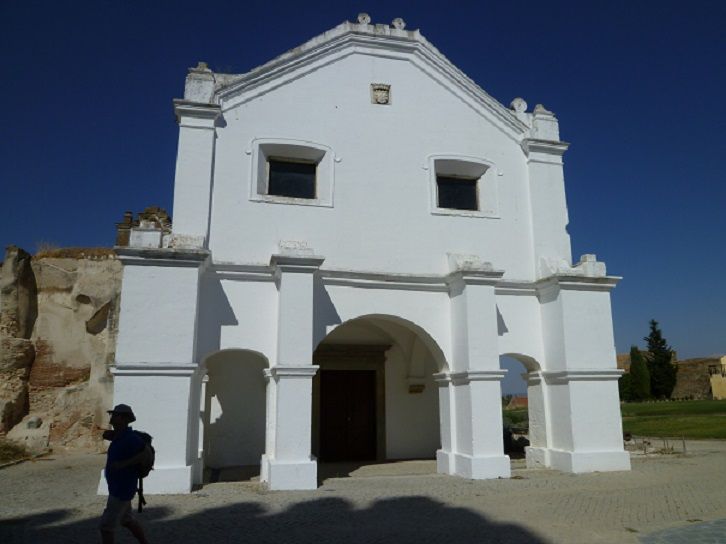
{"x": 409, "y": 520}
{"x": 342, "y": 469}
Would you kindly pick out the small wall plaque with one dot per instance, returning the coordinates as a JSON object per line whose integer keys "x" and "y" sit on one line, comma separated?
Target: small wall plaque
{"x": 380, "y": 94}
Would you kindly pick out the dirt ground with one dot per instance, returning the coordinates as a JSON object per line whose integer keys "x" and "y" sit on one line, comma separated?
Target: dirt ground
{"x": 54, "y": 501}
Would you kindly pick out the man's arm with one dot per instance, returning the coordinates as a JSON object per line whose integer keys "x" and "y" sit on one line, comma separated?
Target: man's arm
{"x": 130, "y": 461}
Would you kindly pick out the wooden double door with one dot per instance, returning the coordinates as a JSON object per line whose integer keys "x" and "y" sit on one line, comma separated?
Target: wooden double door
{"x": 347, "y": 415}
{"x": 348, "y": 403}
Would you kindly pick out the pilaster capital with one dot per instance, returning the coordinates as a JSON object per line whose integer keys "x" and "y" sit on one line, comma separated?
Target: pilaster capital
{"x": 471, "y": 270}
{"x": 547, "y": 147}
{"x": 287, "y": 371}
{"x": 296, "y": 263}
{"x": 567, "y": 282}
{"x": 474, "y": 277}
{"x": 534, "y": 378}
{"x": 468, "y": 376}
{"x": 196, "y": 114}
{"x": 167, "y": 257}
{"x": 154, "y": 369}
{"x": 559, "y": 377}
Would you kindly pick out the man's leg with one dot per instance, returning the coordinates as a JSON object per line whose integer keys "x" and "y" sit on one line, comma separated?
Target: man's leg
{"x": 132, "y": 524}
{"x": 111, "y": 519}
{"x": 136, "y": 529}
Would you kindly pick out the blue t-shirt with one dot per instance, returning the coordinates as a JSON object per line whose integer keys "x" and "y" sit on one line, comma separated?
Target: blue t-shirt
{"x": 122, "y": 482}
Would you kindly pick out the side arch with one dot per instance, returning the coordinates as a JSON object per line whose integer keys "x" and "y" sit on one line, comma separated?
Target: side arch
{"x": 530, "y": 363}
{"x": 233, "y": 408}
{"x": 537, "y": 408}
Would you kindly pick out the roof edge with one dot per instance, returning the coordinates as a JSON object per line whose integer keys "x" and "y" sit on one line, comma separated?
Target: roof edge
{"x": 379, "y": 35}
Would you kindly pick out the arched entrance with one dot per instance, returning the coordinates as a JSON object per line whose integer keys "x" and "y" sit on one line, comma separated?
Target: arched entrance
{"x": 233, "y": 410}
{"x": 537, "y": 419}
{"x": 374, "y": 397}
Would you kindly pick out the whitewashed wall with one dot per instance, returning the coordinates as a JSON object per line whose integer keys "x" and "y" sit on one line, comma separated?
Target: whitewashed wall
{"x": 381, "y": 180}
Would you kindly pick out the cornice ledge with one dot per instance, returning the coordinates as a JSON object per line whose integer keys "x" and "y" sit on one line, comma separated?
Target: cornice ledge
{"x": 197, "y": 110}
{"x": 244, "y": 272}
{"x": 384, "y": 280}
{"x": 467, "y": 376}
{"x": 578, "y": 282}
{"x": 141, "y": 256}
{"x": 329, "y": 273}
{"x": 306, "y": 371}
{"x": 516, "y": 287}
{"x": 583, "y": 375}
{"x": 154, "y": 369}
{"x": 550, "y": 147}
{"x": 257, "y": 268}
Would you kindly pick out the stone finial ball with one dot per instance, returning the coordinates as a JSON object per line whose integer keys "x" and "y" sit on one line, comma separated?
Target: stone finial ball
{"x": 364, "y": 18}
{"x": 399, "y": 23}
{"x": 518, "y": 105}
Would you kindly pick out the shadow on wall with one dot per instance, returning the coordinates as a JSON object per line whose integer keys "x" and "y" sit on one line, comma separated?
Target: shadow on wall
{"x": 502, "y": 328}
{"x": 325, "y": 313}
{"x": 215, "y": 312}
{"x": 407, "y": 520}
{"x": 234, "y": 432}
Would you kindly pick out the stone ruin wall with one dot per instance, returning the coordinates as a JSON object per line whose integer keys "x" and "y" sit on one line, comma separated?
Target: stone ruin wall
{"x": 58, "y": 324}
{"x": 692, "y": 381}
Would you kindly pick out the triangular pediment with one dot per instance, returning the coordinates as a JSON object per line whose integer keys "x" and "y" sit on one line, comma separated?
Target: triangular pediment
{"x": 360, "y": 38}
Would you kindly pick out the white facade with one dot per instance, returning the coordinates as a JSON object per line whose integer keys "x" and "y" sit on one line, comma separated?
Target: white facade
{"x": 231, "y": 336}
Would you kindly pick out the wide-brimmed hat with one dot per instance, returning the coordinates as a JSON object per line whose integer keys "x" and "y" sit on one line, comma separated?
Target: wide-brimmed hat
{"x": 123, "y": 409}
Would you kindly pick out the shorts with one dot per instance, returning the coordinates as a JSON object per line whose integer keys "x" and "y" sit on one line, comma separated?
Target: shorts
{"x": 117, "y": 513}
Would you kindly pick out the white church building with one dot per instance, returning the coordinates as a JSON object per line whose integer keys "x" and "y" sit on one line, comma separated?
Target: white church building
{"x": 360, "y": 232}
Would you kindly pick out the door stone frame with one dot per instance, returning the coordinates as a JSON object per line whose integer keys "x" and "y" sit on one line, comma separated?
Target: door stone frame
{"x": 352, "y": 357}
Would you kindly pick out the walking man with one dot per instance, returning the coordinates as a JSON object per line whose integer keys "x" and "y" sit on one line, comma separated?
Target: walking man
{"x": 121, "y": 476}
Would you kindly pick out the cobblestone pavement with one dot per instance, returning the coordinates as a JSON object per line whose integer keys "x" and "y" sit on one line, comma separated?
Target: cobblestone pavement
{"x": 664, "y": 499}
{"x": 712, "y": 532}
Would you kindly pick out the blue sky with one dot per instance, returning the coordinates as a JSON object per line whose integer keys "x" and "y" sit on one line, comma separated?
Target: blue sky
{"x": 88, "y": 130}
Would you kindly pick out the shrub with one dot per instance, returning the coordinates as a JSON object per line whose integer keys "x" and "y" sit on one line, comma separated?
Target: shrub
{"x": 11, "y": 451}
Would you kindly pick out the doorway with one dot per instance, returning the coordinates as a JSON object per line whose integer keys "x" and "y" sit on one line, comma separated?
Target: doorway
{"x": 347, "y": 415}
{"x": 349, "y": 403}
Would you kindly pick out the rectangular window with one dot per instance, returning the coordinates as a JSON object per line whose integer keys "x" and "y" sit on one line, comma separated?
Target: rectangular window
{"x": 457, "y": 193}
{"x": 291, "y": 178}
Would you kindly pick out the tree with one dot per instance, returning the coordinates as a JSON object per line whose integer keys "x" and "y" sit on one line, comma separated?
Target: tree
{"x": 625, "y": 387}
{"x": 639, "y": 376}
{"x": 660, "y": 363}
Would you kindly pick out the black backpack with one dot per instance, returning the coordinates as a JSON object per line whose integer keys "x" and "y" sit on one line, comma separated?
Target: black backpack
{"x": 145, "y": 465}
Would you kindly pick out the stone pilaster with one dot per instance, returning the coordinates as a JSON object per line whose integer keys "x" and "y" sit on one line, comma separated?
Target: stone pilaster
{"x": 193, "y": 179}
{"x": 156, "y": 361}
{"x": 474, "y": 389}
{"x": 287, "y": 462}
{"x": 579, "y": 384}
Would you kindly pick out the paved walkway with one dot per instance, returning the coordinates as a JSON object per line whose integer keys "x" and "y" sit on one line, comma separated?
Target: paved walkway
{"x": 667, "y": 499}
{"x": 712, "y": 532}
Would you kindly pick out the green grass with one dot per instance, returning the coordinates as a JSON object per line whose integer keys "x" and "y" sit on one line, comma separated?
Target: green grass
{"x": 676, "y": 419}
{"x": 688, "y": 419}
{"x": 515, "y": 418}
{"x": 676, "y": 426}
{"x": 681, "y": 408}
{"x": 10, "y": 451}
